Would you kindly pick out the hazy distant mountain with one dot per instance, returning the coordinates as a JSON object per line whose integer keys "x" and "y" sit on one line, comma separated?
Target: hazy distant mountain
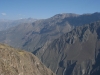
{"x": 18, "y": 62}
{"x": 74, "y": 53}
{"x": 5, "y": 24}
{"x": 32, "y": 36}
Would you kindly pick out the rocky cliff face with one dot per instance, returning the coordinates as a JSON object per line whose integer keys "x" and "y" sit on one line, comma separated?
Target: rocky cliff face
{"x": 18, "y": 62}
{"x": 74, "y": 53}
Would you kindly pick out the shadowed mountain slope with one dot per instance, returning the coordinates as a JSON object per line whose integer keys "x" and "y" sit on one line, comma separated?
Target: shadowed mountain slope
{"x": 18, "y": 62}
{"x": 74, "y": 53}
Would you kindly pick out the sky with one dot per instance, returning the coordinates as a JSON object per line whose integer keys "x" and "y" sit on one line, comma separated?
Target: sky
{"x": 42, "y": 9}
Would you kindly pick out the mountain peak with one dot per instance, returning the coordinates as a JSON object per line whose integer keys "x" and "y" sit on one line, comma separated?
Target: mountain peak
{"x": 65, "y": 15}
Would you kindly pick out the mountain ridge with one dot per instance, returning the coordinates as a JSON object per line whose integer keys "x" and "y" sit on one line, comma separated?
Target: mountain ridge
{"x": 50, "y": 29}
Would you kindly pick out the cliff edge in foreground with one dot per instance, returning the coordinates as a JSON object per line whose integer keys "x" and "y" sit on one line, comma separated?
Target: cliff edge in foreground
{"x": 18, "y": 62}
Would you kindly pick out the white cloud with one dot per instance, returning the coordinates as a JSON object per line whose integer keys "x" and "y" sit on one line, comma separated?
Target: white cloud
{"x": 4, "y": 14}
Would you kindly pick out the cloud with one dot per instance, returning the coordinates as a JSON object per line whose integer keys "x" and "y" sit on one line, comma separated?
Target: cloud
{"x": 4, "y": 14}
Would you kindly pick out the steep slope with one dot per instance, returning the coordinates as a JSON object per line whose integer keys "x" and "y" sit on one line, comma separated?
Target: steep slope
{"x": 74, "y": 53}
{"x": 32, "y": 37}
{"x": 18, "y": 62}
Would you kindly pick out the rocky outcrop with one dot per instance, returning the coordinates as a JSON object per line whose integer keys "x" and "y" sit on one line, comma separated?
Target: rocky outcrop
{"x": 19, "y": 62}
{"x": 74, "y": 53}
